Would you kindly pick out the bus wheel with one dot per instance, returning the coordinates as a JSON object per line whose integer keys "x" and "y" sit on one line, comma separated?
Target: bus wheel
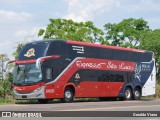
{"x": 43, "y": 101}
{"x": 68, "y": 95}
{"x": 136, "y": 94}
{"x": 128, "y": 94}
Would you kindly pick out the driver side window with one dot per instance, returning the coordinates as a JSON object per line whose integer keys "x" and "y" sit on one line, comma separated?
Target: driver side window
{"x": 48, "y": 73}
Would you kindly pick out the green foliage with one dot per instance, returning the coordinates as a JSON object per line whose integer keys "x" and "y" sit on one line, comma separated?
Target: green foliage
{"x": 151, "y": 41}
{"x": 128, "y": 30}
{"x": 16, "y": 53}
{"x": 6, "y": 86}
{"x": 68, "y": 29}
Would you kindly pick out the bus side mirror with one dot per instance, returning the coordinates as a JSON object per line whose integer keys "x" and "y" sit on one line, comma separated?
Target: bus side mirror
{"x": 38, "y": 63}
{"x": 6, "y": 64}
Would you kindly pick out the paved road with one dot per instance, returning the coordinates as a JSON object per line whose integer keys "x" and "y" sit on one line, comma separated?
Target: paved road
{"x": 142, "y": 105}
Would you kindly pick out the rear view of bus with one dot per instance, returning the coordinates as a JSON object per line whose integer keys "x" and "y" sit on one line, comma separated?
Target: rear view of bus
{"x": 66, "y": 70}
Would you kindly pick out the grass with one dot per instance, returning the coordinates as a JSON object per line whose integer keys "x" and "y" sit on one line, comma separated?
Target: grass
{"x": 9, "y": 100}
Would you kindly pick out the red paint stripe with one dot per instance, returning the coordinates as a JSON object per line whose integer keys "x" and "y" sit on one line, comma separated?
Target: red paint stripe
{"x": 25, "y": 61}
{"x": 33, "y": 61}
{"x": 50, "y": 57}
{"x": 27, "y": 88}
{"x": 103, "y": 46}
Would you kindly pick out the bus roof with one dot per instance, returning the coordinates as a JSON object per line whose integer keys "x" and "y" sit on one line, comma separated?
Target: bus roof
{"x": 88, "y": 44}
{"x": 104, "y": 46}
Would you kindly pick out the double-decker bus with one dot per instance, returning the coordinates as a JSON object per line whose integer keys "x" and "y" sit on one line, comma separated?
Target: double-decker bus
{"x": 65, "y": 69}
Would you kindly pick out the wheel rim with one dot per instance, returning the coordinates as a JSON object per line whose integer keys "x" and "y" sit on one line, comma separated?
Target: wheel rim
{"x": 136, "y": 93}
{"x": 128, "y": 94}
{"x": 68, "y": 94}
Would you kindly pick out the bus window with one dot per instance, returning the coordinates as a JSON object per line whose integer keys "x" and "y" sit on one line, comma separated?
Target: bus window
{"x": 48, "y": 73}
{"x": 57, "y": 48}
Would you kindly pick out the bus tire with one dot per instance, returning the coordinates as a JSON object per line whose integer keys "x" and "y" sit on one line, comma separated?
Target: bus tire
{"x": 68, "y": 95}
{"x": 128, "y": 94}
{"x": 43, "y": 101}
{"x": 136, "y": 94}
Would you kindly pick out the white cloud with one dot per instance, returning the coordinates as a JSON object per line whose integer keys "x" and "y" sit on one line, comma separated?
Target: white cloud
{"x": 84, "y": 10}
{"x": 12, "y": 17}
{"x": 149, "y": 5}
{"x": 21, "y": 33}
{"x": 11, "y": 21}
{"x": 142, "y": 6}
{"x": 75, "y": 18}
{"x": 154, "y": 22}
{"x": 29, "y": 34}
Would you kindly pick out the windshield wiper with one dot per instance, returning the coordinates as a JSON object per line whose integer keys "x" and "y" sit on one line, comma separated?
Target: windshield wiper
{"x": 18, "y": 84}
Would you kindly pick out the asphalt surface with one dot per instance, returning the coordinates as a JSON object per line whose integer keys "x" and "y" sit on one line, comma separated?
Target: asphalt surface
{"x": 90, "y": 110}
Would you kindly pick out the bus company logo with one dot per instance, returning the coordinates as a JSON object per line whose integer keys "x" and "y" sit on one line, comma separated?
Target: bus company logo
{"x": 30, "y": 53}
{"x": 79, "y": 49}
{"x": 119, "y": 66}
{"x": 146, "y": 67}
{"x": 77, "y": 76}
{"x": 89, "y": 65}
{"x": 137, "y": 71}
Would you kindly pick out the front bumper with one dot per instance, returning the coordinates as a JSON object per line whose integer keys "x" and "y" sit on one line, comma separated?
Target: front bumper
{"x": 36, "y": 94}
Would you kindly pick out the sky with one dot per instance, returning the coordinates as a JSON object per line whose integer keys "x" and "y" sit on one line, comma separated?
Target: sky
{"x": 20, "y": 20}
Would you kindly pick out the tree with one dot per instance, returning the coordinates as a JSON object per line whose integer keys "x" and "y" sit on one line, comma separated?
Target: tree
{"x": 127, "y": 33}
{"x": 150, "y": 41}
{"x": 19, "y": 47}
{"x": 5, "y": 81}
{"x": 68, "y": 29}
{"x": 3, "y": 59}
{"x": 6, "y": 86}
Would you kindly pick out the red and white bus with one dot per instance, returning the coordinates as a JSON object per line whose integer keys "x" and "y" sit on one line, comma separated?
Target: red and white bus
{"x": 66, "y": 69}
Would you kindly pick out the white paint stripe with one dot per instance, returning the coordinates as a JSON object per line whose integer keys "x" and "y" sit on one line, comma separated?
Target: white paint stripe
{"x": 77, "y": 46}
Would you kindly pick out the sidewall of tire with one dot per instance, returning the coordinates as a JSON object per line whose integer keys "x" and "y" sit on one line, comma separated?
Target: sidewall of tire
{"x": 130, "y": 91}
{"x": 136, "y": 97}
{"x": 72, "y": 95}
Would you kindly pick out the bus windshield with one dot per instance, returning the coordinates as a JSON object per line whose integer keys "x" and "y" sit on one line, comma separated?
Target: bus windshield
{"x": 26, "y": 74}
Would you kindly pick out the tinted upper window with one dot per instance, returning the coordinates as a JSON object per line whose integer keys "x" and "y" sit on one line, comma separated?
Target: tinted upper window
{"x": 125, "y": 55}
{"x": 57, "y": 48}
{"x": 33, "y": 51}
